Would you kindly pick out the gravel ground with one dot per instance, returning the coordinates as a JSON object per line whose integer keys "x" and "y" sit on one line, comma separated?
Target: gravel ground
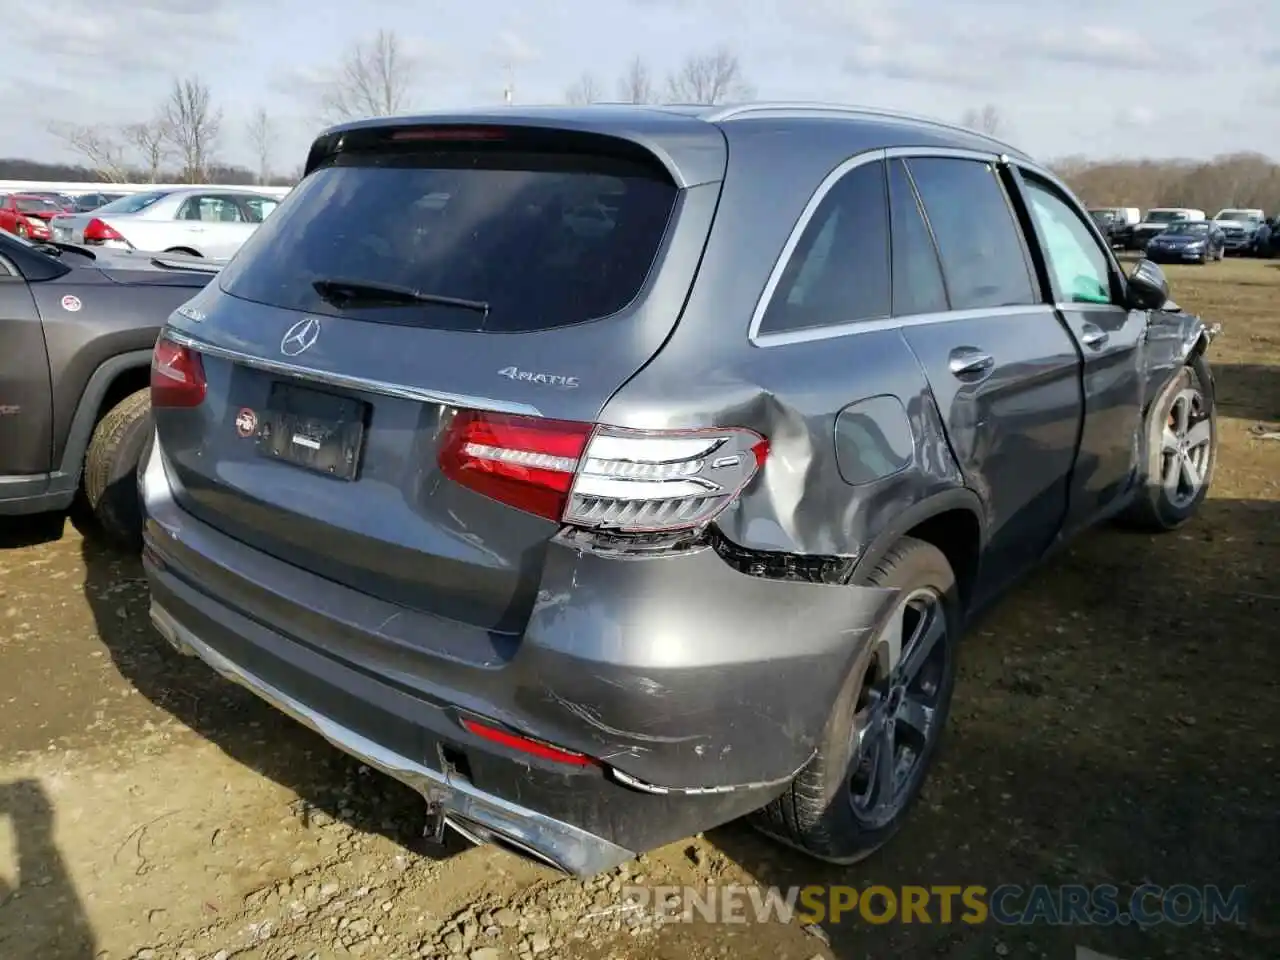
{"x": 1115, "y": 722}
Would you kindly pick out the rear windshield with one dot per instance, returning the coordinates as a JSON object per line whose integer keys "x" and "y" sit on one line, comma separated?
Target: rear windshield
{"x": 132, "y": 203}
{"x": 37, "y": 205}
{"x": 545, "y": 241}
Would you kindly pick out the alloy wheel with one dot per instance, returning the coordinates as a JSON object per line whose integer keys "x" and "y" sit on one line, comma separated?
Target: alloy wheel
{"x": 897, "y": 714}
{"x": 1185, "y": 446}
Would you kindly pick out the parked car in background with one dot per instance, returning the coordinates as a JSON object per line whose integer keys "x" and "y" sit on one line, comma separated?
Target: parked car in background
{"x": 1239, "y": 226}
{"x": 77, "y": 328}
{"x": 1115, "y": 222}
{"x": 189, "y": 220}
{"x": 1156, "y": 220}
{"x": 92, "y": 201}
{"x": 607, "y": 474}
{"x": 1188, "y": 241}
{"x": 27, "y": 214}
{"x": 1265, "y": 239}
{"x": 61, "y": 199}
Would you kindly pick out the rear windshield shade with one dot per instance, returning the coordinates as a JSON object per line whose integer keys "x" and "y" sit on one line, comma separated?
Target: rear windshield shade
{"x": 545, "y": 240}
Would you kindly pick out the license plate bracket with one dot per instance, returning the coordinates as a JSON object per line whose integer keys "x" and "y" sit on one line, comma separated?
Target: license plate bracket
{"x": 318, "y": 431}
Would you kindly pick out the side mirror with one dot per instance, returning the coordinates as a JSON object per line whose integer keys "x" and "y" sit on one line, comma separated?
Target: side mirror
{"x": 1148, "y": 288}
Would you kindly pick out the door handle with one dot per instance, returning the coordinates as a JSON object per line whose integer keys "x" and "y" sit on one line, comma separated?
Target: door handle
{"x": 1093, "y": 337}
{"x": 967, "y": 360}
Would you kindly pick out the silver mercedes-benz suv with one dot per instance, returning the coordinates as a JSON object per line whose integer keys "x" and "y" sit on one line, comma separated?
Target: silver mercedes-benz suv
{"x": 611, "y": 473}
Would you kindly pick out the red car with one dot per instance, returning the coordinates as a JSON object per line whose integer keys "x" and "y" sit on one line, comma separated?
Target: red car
{"x": 27, "y": 215}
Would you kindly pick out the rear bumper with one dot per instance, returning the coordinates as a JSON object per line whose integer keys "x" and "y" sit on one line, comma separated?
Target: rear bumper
{"x": 560, "y": 844}
{"x": 699, "y": 689}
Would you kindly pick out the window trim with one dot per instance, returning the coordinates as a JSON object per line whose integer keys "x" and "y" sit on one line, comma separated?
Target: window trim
{"x": 1000, "y": 160}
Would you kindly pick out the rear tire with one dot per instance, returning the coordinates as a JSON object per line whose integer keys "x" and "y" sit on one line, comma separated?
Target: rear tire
{"x": 110, "y": 482}
{"x": 834, "y": 810}
{"x": 1182, "y": 442}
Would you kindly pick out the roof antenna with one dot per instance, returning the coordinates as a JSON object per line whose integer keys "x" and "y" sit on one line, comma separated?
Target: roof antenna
{"x": 509, "y": 91}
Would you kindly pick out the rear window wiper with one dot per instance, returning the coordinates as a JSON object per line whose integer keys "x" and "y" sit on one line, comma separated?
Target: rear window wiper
{"x": 347, "y": 293}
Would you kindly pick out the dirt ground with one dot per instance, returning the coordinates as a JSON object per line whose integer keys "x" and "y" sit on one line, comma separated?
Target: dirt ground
{"x": 1115, "y": 722}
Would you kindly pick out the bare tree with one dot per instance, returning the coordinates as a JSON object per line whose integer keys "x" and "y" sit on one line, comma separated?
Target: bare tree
{"x": 709, "y": 78}
{"x": 152, "y": 143}
{"x": 636, "y": 85}
{"x": 192, "y": 125}
{"x": 586, "y": 89}
{"x": 261, "y": 131}
{"x": 374, "y": 79}
{"x": 98, "y": 145}
{"x": 987, "y": 120}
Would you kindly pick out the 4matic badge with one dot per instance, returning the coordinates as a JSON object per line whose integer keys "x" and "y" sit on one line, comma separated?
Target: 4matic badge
{"x": 530, "y": 376}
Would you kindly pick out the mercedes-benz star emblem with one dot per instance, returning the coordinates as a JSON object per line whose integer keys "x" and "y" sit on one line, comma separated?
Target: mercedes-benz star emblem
{"x": 300, "y": 337}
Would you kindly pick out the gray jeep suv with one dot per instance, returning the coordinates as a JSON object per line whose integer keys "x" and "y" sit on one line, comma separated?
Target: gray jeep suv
{"x": 611, "y": 473}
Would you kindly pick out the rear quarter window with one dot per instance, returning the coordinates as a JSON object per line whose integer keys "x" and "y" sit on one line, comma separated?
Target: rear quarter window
{"x": 839, "y": 270}
{"x": 545, "y": 240}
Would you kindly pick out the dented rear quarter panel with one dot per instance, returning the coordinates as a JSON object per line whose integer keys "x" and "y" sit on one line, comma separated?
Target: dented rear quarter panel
{"x": 709, "y": 373}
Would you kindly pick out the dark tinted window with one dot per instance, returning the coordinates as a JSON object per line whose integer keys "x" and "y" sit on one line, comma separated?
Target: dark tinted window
{"x": 839, "y": 271}
{"x": 545, "y": 240}
{"x": 917, "y": 275}
{"x": 982, "y": 255}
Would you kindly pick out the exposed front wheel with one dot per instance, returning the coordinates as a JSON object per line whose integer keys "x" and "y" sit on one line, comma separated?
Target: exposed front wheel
{"x": 881, "y": 738}
{"x": 110, "y": 483}
{"x": 1182, "y": 449}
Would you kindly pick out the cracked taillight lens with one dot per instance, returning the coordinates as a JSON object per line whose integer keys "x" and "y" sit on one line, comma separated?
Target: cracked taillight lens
{"x": 607, "y": 478}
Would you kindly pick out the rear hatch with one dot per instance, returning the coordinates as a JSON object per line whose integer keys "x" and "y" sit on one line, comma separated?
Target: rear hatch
{"x": 421, "y": 274}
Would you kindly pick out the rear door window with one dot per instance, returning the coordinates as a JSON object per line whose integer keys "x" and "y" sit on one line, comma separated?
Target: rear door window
{"x": 839, "y": 271}
{"x": 544, "y": 240}
{"x": 983, "y": 259}
{"x": 917, "y": 274}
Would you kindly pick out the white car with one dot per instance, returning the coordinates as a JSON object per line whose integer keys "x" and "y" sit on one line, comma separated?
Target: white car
{"x": 1239, "y": 226}
{"x": 189, "y": 220}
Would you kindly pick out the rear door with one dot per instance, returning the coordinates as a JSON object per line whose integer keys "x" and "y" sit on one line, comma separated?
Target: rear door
{"x": 25, "y": 408}
{"x": 1088, "y": 291}
{"x": 330, "y": 405}
{"x": 1002, "y": 366}
{"x": 212, "y": 224}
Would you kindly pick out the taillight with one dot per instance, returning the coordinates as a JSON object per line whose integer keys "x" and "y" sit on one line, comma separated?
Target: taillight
{"x": 97, "y": 231}
{"x": 632, "y": 481}
{"x": 177, "y": 376}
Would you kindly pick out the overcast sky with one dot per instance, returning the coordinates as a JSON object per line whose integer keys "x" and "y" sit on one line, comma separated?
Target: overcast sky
{"x": 1152, "y": 77}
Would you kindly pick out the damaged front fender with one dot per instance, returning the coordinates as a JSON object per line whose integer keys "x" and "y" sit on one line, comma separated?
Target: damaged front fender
{"x": 1173, "y": 337}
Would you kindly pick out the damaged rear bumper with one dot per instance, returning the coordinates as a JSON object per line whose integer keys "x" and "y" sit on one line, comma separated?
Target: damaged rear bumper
{"x": 476, "y": 815}
{"x": 700, "y": 691}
